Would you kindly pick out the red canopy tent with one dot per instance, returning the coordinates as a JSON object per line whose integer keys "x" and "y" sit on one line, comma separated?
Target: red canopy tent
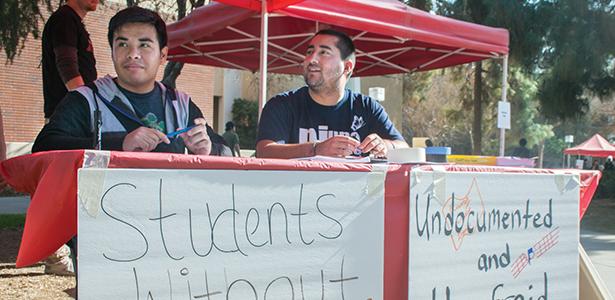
{"x": 390, "y": 37}
{"x": 596, "y": 146}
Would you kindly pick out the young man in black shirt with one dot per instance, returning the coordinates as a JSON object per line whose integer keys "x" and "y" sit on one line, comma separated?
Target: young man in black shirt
{"x": 133, "y": 111}
{"x": 68, "y": 56}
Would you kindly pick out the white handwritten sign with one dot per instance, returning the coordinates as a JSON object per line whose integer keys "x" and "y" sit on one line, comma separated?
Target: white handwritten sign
{"x": 493, "y": 236}
{"x": 229, "y": 234}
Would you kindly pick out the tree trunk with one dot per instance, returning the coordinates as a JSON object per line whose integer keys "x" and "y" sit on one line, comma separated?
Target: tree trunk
{"x": 171, "y": 72}
{"x": 477, "y": 133}
{"x": 173, "y": 69}
{"x": 541, "y": 155}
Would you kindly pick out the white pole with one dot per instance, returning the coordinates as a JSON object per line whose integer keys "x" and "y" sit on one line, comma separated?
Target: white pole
{"x": 504, "y": 88}
{"x": 262, "y": 86}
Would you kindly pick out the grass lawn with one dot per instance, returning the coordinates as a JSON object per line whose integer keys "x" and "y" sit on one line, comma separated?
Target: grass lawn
{"x": 12, "y": 221}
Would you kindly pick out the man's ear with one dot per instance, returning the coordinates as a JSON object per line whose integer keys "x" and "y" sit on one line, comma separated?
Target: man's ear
{"x": 164, "y": 52}
{"x": 348, "y": 67}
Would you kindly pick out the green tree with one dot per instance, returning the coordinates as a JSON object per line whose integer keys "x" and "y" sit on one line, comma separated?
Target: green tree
{"x": 527, "y": 122}
{"x": 520, "y": 18}
{"x": 18, "y": 19}
{"x": 578, "y": 61}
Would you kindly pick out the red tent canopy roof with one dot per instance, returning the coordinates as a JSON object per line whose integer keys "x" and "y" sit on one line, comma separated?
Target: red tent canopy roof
{"x": 595, "y": 146}
{"x": 390, "y": 37}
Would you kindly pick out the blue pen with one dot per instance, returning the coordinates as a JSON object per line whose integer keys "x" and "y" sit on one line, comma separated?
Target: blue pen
{"x": 176, "y": 133}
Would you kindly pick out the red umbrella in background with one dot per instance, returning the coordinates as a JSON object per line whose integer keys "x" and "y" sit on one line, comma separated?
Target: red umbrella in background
{"x": 390, "y": 37}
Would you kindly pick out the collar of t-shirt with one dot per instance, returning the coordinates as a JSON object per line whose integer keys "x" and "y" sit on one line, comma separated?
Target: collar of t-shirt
{"x": 148, "y": 107}
{"x": 340, "y": 103}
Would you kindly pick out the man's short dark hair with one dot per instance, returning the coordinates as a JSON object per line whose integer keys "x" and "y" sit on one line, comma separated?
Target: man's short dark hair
{"x": 229, "y": 125}
{"x": 522, "y": 142}
{"x": 135, "y": 14}
{"x": 344, "y": 42}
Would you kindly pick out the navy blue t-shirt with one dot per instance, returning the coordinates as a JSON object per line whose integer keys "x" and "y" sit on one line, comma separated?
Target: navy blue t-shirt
{"x": 294, "y": 118}
{"x": 148, "y": 107}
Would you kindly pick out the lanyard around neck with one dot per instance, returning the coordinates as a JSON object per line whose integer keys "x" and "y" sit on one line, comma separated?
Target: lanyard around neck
{"x": 126, "y": 114}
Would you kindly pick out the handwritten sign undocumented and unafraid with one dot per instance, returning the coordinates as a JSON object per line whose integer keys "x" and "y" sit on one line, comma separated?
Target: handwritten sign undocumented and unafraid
{"x": 493, "y": 236}
{"x": 228, "y": 234}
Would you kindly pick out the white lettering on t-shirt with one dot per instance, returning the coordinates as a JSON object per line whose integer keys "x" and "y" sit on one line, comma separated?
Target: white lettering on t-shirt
{"x": 308, "y": 135}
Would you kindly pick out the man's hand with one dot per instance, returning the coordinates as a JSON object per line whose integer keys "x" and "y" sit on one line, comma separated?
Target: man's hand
{"x": 144, "y": 139}
{"x": 375, "y": 145}
{"x": 336, "y": 146}
{"x": 196, "y": 139}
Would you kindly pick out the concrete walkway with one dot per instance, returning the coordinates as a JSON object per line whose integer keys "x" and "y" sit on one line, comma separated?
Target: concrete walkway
{"x": 601, "y": 250}
{"x": 14, "y": 205}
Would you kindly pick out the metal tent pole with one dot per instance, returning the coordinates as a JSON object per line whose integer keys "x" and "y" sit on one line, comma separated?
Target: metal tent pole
{"x": 504, "y": 88}
{"x": 262, "y": 86}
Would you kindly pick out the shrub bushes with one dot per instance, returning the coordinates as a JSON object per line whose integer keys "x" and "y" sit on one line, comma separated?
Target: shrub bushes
{"x": 245, "y": 116}
{"x": 606, "y": 188}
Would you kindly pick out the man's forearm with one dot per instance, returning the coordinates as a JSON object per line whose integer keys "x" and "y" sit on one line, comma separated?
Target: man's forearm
{"x": 74, "y": 83}
{"x": 271, "y": 149}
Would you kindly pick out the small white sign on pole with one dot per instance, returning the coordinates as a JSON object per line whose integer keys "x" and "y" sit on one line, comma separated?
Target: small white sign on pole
{"x": 230, "y": 234}
{"x": 377, "y": 93}
{"x": 504, "y": 114}
{"x": 493, "y": 236}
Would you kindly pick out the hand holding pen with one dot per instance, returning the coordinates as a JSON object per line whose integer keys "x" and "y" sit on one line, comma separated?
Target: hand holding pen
{"x": 339, "y": 146}
{"x": 174, "y": 134}
{"x": 144, "y": 139}
{"x": 195, "y": 137}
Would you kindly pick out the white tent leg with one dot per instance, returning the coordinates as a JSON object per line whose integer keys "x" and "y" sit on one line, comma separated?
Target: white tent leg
{"x": 262, "y": 86}
{"x": 504, "y": 88}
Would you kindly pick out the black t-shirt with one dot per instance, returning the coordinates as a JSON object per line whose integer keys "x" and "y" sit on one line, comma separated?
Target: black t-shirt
{"x": 294, "y": 117}
{"x": 64, "y": 29}
{"x": 148, "y": 107}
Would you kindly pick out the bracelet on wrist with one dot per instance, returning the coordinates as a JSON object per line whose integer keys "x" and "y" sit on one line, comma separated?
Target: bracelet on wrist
{"x": 314, "y": 144}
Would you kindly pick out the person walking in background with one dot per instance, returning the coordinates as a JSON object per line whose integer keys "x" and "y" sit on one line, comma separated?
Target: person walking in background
{"x": 521, "y": 150}
{"x": 231, "y": 138}
{"x": 68, "y": 55}
{"x": 608, "y": 164}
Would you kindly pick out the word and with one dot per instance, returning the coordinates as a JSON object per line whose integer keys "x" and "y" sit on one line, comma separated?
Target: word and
{"x": 486, "y": 263}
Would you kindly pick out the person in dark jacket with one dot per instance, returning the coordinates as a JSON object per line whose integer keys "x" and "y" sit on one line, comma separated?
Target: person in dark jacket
{"x": 131, "y": 112}
{"x": 521, "y": 150}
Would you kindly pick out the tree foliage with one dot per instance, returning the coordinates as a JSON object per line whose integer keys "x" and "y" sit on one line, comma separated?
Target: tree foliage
{"x": 18, "y": 19}
{"x": 578, "y": 59}
{"x": 526, "y": 40}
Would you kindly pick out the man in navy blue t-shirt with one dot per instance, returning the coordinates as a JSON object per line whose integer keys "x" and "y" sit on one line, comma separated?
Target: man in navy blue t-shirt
{"x": 324, "y": 118}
